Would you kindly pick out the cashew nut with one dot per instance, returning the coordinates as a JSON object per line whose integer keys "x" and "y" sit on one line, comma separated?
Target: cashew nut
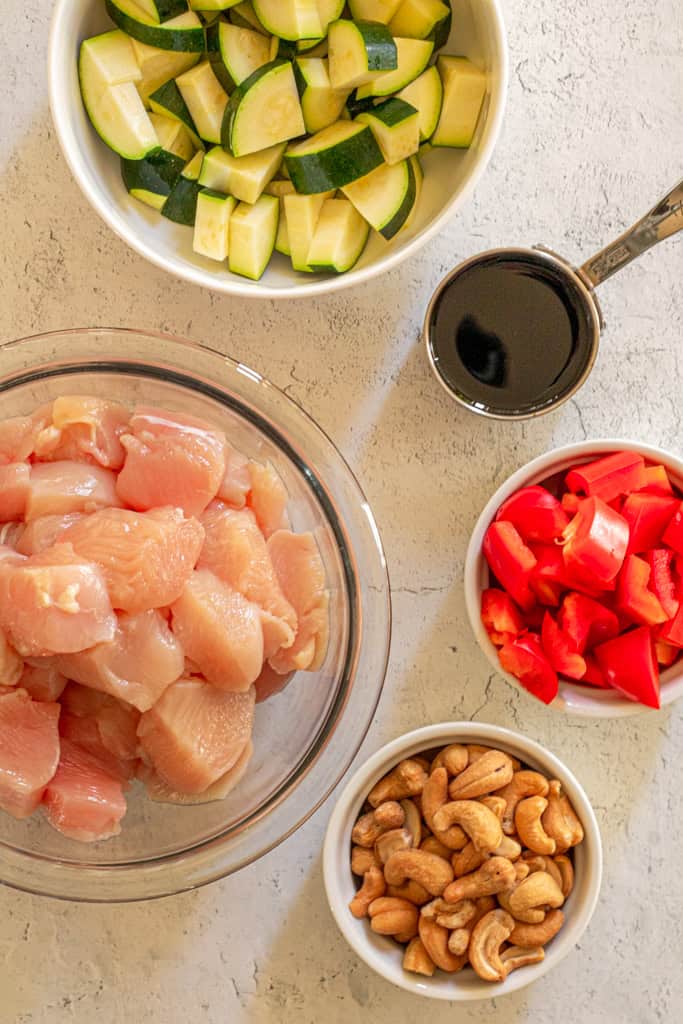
{"x": 566, "y": 869}
{"x": 480, "y": 824}
{"x": 539, "y": 890}
{"x": 406, "y": 779}
{"x": 392, "y": 916}
{"x": 407, "y": 935}
{"x": 369, "y": 827}
{"x": 560, "y": 820}
{"x": 362, "y": 859}
{"x": 373, "y": 886}
{"x": 467, "y": 860}
{"x": 521, "y": 870}
{"x": 519, "y": 956}
{"x": 494, "y": 876}
{"x": 416, "y": 958}
{"x": 433, "y": 845}
{"x": 411, "y": 891}
{"x": 540, "y": 862}
{"x": 490, "y": 772}
{"x": 495, "y": 804}
{"x": 462, "y": 913}
{"x": 453, "y": 758}
{"x": 509, "y": 848}
{"x": 389, "y": 814}
{"x": 435, "y": 941}
{"x": 412, "y": 820}
{"x": 534, "y": 915}
{"x": 537, "y": 934}
{"x": 458, "y": 941}
{"x": 432, "y": 872}
{"x": 522, "y": 784}
{"x": 488, "y": 936}
{"x": 476, "y": 752}
{"x": 528, "y": 820}
{"x": 434, "y": 796}
{"x": 391, "y": 841}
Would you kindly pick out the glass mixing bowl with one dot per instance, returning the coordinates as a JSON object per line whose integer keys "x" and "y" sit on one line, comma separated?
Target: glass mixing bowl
{"x": 304, "y": 738}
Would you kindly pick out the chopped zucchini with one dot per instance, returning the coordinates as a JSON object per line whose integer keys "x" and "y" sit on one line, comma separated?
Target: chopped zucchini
{"x": 374, "y": 10}
{"x": 243, "y": 14}
{"x": 181, "y": 205}
{"x": 333, "y": 157}
{"x": 396, "y": 127}
{"x": 151, "y": 180}
{"x": 329, "y": 11}
{"x": 290, "y": 19}
{"x": 321, "y": 105}
{"x": 253, "y": 230}
{"x": 386, "y": 197}
{"x": 302, "y": 213}
{"x": 242, "y": 50}
{"x": 212, "y": 5}
{"x": 159, "y": 66}
{"x": 173, "y": 137}
{"x": 413, "y": 58}
{"x": 280, "y": 188}
{"x": 419, "y": 19}
{"x": 205, "y": 98}
{"x": 184, "y": 33}
{"x": 162, "y": 10}
{"x": 109, "y": 59}
{"x": 244, "y": 177}
{"x": 263, "y": 111}
{"x": 358, "y": 50}
{"x": 168, "y": 100}
{"x": 282, "y": 237}
{"x": 464, "y": 89}
{"x": 339, "y": 238}
{"x": 212, "y": 224}
{"x": 419, "y": 179}
{"x": 426, "y": 95}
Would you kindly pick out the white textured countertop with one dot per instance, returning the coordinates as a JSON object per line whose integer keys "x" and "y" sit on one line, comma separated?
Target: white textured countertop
{"x": 592, "y": 138}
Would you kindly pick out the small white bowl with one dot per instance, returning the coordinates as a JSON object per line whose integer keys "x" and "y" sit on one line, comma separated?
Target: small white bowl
{"x": 572, "y": 698}
{"x": 478, "y": 32}
{"x": 383, "y": 955}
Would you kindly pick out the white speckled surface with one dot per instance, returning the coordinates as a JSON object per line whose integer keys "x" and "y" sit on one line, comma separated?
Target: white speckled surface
{"x": 593, "y": 136}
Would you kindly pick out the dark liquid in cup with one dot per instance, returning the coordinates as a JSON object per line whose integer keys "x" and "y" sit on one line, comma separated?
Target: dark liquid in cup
{"x": 510, "y": 334}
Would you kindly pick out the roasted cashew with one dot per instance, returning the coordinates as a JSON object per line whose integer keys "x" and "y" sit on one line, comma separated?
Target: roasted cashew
{"x": 411, "y": 891}
{"x": 518, "y": 956}
{"x": 362, "y": 860}
{"x": 389, "y": 814}
{"x": 480, "y": 824}
{"x": 460, "y": 915}
{"x": 537, "y": 934}
{"x": 467, "y": 860}
{"x": 373, "y": 886}
{"x": 540, "y": 862}
{"x": 406, "y": 780}
{"x": 539, "y": 890}
{"x": 484, "y": 950}
{"x": 434, "y": 796}
{"x": 494, "y": 876}
{"x": 509, "y": 848}
{"x": 408, "y": 934}
{"x": 435, "y": 940}
{"x": 433, "y": 845}
{"x": 566, "y": 869}
{"x": 535, "y": 915}
{"x": 522, "y": 784}
{"x": 453, "y": 758}
{"x": 392, "y": 916}
{"x": 475, "y": 753}
{"x": 416, "y": 958}
{"x": 391, "y": 841}
{"x": 528, "y": 820}
{"x": 560, "y": 820}
{"x": 369, "y": 827}
{"x": 422, "y": 761}
{"x": 495, "y": 804}
{"x": 458, "y": 941}
{"x": 412, "y": 820}
{"x": 521, "y": 870}
{"x": 432, "y": 872}
{"x": 490, "y": 772}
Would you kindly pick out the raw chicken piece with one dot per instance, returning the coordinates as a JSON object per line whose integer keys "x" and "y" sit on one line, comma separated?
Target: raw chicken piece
{"x": 84, "y": 430}
{"x": 14, "y": 489}
{"x": 235, "y": 551}
{"x": 44, "y": 532}
{"x": 53, "y": 603}
{"x": 29, "y": 751}
{"x": 18, "y": 435}
{"x": 146, "y": 557}
{"x": 195, "y": 733}
{"x": 270, "y": 682}
{"x": 84, "y": 732}
{"x": 116, "y": 721}
{"x": 60, "y": 487}
{"x": 83, "y": 801}
{"x": 268, "y": 498}
{"x": 220, "y": 631}
{"x": 141, "y": 660}
{"x": 236, "y": 483}
{"x": 11, "y": 664}
{"x": 41, "y": 679}
{"x": 11, "y": 534}
{"x": 171, "y": 460}
{"x": 158, "y": 790}
{"x": 301, "y": 573}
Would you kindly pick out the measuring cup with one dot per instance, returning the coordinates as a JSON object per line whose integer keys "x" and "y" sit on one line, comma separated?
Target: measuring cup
{"x": 513, "y": 333}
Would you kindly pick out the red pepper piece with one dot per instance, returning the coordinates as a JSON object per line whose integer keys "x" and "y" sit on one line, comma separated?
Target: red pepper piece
{"x": 609, "y": 477}
{"x": 501, "y": 617}
{"x": 524, "y": 659}
{"x": 595, "y": 543}
{"x": 570, "y": 503}
{"x": 634, "y": 600}
{"x": 661, "y": 581}
{"x": 630, "y": 666}
{"x": 648, "y": 516}
{"x": 673, "y": 535}
{"x": 510, "y": 561}
{"x": 672, "y": 631}
{"x": 587, "y": 622}
{"x": 594, "y": 675}
{"x": 666, "y": 653}
{"x": 535, "y": 513}
{"x": 560, "y": 650}
{"x": 657, "y": 481}
{"x": 547, "y": 577}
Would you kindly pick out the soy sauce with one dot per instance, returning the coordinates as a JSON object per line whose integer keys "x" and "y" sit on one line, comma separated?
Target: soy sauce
{"x": 510, "y": 334}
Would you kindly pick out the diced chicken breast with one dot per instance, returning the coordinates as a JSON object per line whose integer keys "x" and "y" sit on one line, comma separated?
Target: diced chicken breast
{"x": 44, "y": 532}
{"x": 86, "y": 734}
{"x": 268, "y": 498}
{"x": 195, "y": 734}
{"x": 83, "y": 801}
{"x": 18, "y": 435}
{"x": 84, "y": 429}
{"x": 270, "y": 682}
{"x": 57, "y": 488}
{"x": 158, "y": 790}
{"x": 11, "y": 664}
{"x": 301, "y": 573}
{"x": 236, "y": 483}
{"x": 116, "y": 720}
{"x": 29, "y": 751}
{"x": 14, "y": 490}
{"x": 41, "y": 679}
{"x": 11, "y": 534}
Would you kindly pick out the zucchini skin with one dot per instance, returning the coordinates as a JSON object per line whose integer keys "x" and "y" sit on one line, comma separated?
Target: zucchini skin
{"x": 393, "y": 226}
{"x": 181, "y": 205}
{"x": 157, "y": 172}
{"x": 236, "y": 98}
{"x": 337, "y": 166}
{"x": 186, "y": 40}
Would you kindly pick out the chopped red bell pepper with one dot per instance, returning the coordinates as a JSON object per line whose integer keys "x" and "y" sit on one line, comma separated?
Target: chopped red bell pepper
{"x": 594, "y": 675}
{"x": 560, "y": 650}
{"x": 535, "y": 513}
{"x": 673, "y": 535}
{"x": 648, "y": 516}
{"x": 657, "y": 481}
{"x": 634, "y": 599}
{"x": 672, "y": 631}
{"x": 511, "y": 562}
{"x": 630, "y": 666}
{"x": 524, "y": 659}
{"x": 608, "y": 477}
{"x": 501, "y": 616}
{"x": 662, "y": 582}
{"x": 570, "y": 503}
{"x": 666, "y": 653}
{"x": 595, "y": 543}
{"x": 547, "y": 577}
{"x": 587, "y": 622}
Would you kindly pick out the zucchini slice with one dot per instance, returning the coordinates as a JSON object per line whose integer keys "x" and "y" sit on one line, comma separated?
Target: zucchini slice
{"x": 242, "y": 50}
{"x": 182, "y": 34}
{"x": 181, "y": 205}
{"x": 263, "y": 111}
{"x": 413, "y": 58}
{"x": 253, "y": 230}
{"x": 386, "y": 197}
{"x": 151, "y": 180}
{"x": 159, "y": 66}
{"x": 396, "y": 127}
{"x": 329, "y": 11}
{"x": 282, "y": 237}
{"x": 358, "y": 50}
{"x": 162, "y": 10}
{"x": 243, "y": 14}
{"x": 244, "y": 177}
{"x": 426, "y": 95}
{"x": 420, "y": 19}
{"x": 206, "y": 100}
{"x": 374, "y": 10}
{"x": 212, "y": 224}
{"x": 168, "y": 100}
{"x": 212, "y": 5}
{"x": 109, "y": 59}
{"x": 321, "y": 105}
{"x": 290, "y": 19}
{"x": 333, "y": 157}
{"x": 419, "y": 180}
{"x": 339, "y": 238}
{"x": 302, "y": 213}
{"x": 464, "y": 89}
{"x": 173, "y": 137}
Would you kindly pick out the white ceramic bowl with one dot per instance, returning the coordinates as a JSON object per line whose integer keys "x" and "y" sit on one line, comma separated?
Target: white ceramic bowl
{"x": 478, "y": 32}
{"x": 382, "y": 954}
{"x": 572, "y": 698}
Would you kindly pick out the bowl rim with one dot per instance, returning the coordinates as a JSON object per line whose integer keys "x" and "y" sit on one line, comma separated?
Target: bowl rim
{"x": 113, "y": 217}
{"x": 338, "y": 837}
{"x": 572, "y": 699}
